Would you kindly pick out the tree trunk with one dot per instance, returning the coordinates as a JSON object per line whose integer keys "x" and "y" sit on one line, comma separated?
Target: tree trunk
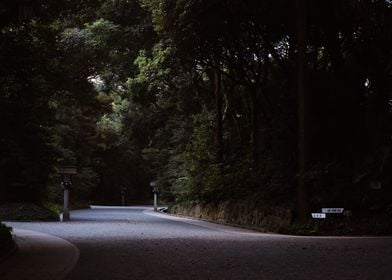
{"x": 219, "y": 119}
{"x": 26, "y": 10}
{"x": 255, "y": 127}
{"x": 303, "y": 146}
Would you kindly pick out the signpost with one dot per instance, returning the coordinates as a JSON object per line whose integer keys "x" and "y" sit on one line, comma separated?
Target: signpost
{"x": 325, "y": 211}
{"x": 66, "y": 172}
{"x": 154, "y": 187}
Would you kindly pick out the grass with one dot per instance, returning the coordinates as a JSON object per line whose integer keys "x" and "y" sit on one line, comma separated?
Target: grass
{"x": 53, "y": 207}
{"x": 26, "y": 212}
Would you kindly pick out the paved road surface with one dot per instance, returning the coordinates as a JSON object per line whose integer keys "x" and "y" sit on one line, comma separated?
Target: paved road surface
{"x": 133, "y": 243}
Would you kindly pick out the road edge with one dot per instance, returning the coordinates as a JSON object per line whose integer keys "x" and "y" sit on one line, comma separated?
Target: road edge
{"x": 205, "y": 224}
{"x": 39, "y": 256}
{"x": 233, "y": 228}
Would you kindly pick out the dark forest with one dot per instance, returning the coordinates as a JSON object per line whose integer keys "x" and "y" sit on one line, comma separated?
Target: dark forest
{"x": 247, "y": 112}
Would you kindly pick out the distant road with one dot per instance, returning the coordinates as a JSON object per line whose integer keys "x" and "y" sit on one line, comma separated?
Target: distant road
{"x": 132, "y": 243}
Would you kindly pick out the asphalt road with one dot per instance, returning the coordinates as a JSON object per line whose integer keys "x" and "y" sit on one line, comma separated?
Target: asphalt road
{"x": 133, "y": 243}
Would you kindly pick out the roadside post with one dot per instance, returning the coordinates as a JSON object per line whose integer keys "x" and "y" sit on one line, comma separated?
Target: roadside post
{"x": 66, "y": 173}
{"x": 154, "y": 187}
{"x": 123, "y": 192}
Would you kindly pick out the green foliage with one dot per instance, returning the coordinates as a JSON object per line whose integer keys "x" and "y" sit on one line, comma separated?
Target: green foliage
{"x": 62, "y": 99}
{"x": 198, "y": 95}
{"x": 26, "y": 118}
{"x": 53, "y": 207}
{"x": 254, "y": 51}
{"x": 26, "y": 212}
{"x": 204, "y": 175}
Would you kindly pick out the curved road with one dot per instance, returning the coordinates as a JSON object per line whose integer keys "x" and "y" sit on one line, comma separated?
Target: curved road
{"x": 134, "y": 243}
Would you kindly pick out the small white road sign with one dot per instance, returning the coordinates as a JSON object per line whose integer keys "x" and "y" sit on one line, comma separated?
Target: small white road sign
{"x": 332, "y": 210}
{"x": 319, "y": 215}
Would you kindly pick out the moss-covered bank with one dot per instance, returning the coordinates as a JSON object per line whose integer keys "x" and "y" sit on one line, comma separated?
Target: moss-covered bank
{"x": 26, "y": 212}
{"x": 242, "y": 213}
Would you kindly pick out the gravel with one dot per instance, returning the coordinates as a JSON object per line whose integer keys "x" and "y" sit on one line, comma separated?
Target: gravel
{"x": 131, "y": 243}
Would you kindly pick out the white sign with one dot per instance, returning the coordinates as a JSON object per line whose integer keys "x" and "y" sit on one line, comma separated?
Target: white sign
{"x": 332, "y": 210}
{"x": 319, "y": 215}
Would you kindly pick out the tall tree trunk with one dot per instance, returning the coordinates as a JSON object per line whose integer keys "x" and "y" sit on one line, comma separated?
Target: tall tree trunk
{"x": 26, "y": 10}
{"x": 255, "y": 127}
{"x": 219, "y": 118}
{"x": 303, "y": 156}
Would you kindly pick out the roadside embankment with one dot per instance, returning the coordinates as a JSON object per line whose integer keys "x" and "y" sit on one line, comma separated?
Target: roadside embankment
{"x": 241, "y": 213}
{"x": 280, "y": 219}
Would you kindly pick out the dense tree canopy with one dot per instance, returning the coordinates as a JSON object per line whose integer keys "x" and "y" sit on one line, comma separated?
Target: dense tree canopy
{"x": 202, "y": 96}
